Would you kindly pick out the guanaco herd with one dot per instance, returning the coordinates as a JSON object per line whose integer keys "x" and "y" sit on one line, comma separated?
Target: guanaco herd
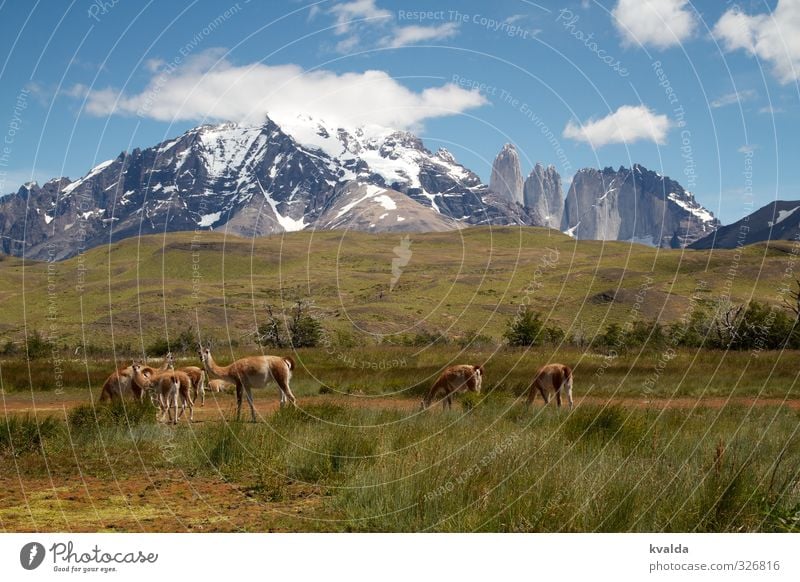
{"x": 168, "y": 386}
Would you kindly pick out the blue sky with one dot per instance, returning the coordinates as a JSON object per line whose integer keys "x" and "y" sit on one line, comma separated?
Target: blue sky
{"x": 703, "y": 92}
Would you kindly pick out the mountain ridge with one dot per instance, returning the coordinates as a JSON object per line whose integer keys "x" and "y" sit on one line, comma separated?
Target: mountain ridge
{"x": 301, "y": 173}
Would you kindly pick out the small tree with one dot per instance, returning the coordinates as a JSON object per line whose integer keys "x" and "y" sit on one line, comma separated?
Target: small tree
{"x": 525, "y": 329}
{"x": 37, "y": 346}
{"x": 270, "y": 333}
{"x": 305, "y": 330}
{"x": 300, "y": 330}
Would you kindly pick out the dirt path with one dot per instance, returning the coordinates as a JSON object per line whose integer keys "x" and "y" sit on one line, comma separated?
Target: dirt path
{"x": 224, "y": 405}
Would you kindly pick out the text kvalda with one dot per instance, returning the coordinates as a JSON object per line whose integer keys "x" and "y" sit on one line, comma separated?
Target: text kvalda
{"x": 670, "y": 549}
{"x": 65, "y": 553}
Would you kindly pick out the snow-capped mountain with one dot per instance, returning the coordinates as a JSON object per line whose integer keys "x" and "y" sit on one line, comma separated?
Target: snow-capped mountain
{"x": 253, "y": 181}
{"x": 304, "y": 173}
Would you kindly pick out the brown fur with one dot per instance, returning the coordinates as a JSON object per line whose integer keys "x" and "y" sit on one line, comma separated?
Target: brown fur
{"x": 168, "y": 388}
{"x": 198, "y": 379}
{"x": 118, "y": 385}
{"x": 219, "y": 385}
{"x": 120, "y": 382}
{"x": 458, "y": 378}
{"x": 552, "y": 377}
{"x": 252, "y": 372}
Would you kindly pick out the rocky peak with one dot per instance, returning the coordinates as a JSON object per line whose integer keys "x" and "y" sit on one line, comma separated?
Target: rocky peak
{"x": 636, "y": 205}
{"x": 544, "y": 197}
{"x": 506, "y": 179}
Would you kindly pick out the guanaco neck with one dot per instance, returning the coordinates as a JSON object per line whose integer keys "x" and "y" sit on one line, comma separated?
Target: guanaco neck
{"x": 212, "y": 367}
{"x": 140, "y": 380}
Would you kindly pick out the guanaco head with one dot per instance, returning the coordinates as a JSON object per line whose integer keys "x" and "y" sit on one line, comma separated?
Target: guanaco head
{"x": 169, "y": 359}
{"x": 140, "y": 377}
{"x": 205, "y": 355}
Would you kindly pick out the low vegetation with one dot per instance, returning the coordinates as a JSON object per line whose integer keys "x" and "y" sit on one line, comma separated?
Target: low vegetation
{"x": 494, "y": 467}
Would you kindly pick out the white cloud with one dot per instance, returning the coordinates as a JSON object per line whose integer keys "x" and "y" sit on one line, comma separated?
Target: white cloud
{"x": 748, "y": 148}
{"x": 360, "y": 21}
{"x": 771, "y": 110}
{"x": 208, "y": 87}
{"x": 774, "y": 37}
{"x": 353, "y": 19}
{"x": 407, "y": 35}
{"x": 657, "y": 23}
{"x": 626, "y": 125}
{"x": 357, "y": 10}
{"x": 152, "y": 65}
{"x": 735, "y": 97}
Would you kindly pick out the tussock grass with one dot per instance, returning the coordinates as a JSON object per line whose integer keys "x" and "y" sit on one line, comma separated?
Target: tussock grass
{"x": 492, "y": 466}
{"x": 25, "y": 434}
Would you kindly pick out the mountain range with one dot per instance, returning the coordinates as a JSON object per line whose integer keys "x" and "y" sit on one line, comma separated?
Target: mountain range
{"x": 304, "y": 173}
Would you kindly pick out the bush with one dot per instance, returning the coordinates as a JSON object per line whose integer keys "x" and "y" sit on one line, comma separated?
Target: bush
{"x": 763, "y": 327}
{"x": 305, "y": 331}
{"x": 158, "y": 348}
{"x": 524, "y": 330}
{"x": 37, "y": 345}
{"x": 300, "y": 330}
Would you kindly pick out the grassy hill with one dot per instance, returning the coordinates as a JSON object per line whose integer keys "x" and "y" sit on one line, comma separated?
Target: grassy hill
{"x": 142, "y": 289}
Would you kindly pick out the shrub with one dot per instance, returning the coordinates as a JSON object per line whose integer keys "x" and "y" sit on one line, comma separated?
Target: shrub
{"x": 525, "y": 329}
{"x": 158, "y": 348}
{"x": 270, "y": 333}
{"x": 37, "y": 346}
{"x": 305, "y": 331}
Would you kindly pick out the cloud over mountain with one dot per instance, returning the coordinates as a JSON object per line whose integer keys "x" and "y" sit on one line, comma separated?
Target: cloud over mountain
{"x": 626, "y": 125}
{"x": 208, "y": 86}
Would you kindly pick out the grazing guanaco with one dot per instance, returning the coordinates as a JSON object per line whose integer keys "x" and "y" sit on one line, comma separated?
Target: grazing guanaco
{"x": 552, "y": 377}
{"x": 120, "y": 382}
{"x": 252, "y": 372}
{"x": 168, "y": 387}
{"x": 459, "y": 378}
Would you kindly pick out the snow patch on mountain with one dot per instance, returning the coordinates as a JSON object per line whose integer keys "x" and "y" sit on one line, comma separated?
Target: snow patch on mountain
{"x": 783, "y": 215}
{"x": 92, "y": 173}
{"x": 701, "y": 213}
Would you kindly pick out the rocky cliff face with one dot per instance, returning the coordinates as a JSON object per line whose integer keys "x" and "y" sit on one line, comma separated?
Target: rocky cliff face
{"x": 634, "y": 205}
{"x": 543, "y": 196}
{"x": 506, "y": 179}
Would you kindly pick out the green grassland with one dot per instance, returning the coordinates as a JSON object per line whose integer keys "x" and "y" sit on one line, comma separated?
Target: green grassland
{"x": 139, "y": 290}
{"x": 357, "y": 455}
{"x": 332, "y": 467}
